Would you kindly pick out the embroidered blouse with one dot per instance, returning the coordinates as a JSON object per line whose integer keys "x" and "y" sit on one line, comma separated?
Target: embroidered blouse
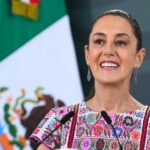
{"x": 91, "y": 130}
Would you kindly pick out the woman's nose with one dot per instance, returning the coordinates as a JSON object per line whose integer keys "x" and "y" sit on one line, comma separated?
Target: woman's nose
{"x": 108, "y": 49}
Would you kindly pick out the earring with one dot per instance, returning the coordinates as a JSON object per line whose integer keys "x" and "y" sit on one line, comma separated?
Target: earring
{"x": 89, "y": 74}
{"x": 135, "y": 75}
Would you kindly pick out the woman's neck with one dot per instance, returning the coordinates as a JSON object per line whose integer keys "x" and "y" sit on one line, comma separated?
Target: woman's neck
{"x": 113, "y": 98}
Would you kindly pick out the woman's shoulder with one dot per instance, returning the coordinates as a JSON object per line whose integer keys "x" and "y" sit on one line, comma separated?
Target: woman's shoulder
{"x": 49, "y": 122}
{"x": 59, "y": 112}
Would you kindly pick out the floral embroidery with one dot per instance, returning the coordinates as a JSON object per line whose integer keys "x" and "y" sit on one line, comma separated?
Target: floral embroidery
{"x": 47, "y": 140}
{"x": 92, "y": 132}
{"x": 128, "y": 145}
{"x": 63, "y": 139}
{"x": 80, "y": 131}
{"x": 36, "y": 131}
{"x": 148, "y": 144}
{"x": 128, "y": 121}
{"x": 90, "y": 119}
{"x": 53, "y": 124}
{"x": 135, "y": 135}
{"x": 86, "y": 144}
{"x": 61, "y": 112}
{"x": 100, "y": 144}
{"x": 119, "y": 132}
{"x": 75, "y": 144}
{"x": 140, "y": 114}
{"x": 114, "y": 145}
{"x": 98, "y": 130}
{"x": 49, "y": 114}
{"x": 113, "y": 117}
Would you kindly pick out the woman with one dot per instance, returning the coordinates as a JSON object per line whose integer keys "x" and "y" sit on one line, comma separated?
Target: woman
{"x": 113, "y": 53}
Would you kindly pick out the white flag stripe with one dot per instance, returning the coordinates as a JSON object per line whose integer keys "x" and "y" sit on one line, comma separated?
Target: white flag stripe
{"x": 25, "y": 1}
{"x": 47, "y": 60}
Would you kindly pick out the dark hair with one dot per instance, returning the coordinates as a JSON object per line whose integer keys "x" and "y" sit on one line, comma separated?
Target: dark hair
{"x": 134, "y": 24}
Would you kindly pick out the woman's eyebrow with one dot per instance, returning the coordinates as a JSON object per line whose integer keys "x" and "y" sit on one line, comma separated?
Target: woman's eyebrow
{"x": 99, "y": 33}
{"x": 122, "y": 34}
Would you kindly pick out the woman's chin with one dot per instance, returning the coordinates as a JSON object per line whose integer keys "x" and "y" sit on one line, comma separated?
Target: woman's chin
{"x": 109, "y": 81}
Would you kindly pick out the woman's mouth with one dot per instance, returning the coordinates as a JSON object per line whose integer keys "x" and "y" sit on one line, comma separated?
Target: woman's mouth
{"x": 109, "y": 64}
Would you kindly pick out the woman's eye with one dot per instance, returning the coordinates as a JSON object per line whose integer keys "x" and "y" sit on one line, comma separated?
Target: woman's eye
{"x": 121, "y": 43}
{"x": 99, "y": 41}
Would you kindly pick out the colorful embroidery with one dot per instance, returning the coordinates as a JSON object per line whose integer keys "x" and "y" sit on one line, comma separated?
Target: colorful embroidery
{"x": 92, "y": 132}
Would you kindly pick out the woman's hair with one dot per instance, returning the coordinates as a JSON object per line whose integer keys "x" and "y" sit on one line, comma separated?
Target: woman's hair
{"x": 134, "y": 24}
{"x": 135, "y": 27}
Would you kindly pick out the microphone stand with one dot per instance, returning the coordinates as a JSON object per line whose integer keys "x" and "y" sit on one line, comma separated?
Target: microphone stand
{"x": 109, "y": 122}
{"x": 62, "y": 121}
{"x": 120, "y": 146}
{"x": 50, "y": 134}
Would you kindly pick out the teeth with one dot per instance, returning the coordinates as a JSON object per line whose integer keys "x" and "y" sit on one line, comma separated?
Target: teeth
{"x": 109, "y": 65}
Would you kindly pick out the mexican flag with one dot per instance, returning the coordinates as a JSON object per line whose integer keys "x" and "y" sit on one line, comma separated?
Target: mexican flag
{"x": 38, "y": 70}
{"x": 26, "y": 8}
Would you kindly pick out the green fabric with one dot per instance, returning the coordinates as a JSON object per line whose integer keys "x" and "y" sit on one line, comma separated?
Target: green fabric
{"x": 17, "y": 30}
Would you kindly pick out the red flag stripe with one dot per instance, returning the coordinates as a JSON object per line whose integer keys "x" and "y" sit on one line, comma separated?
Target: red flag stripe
{"x": 35, "y": 1}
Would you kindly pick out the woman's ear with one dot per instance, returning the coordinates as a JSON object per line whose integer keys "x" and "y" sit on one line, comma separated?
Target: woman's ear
{"x": 140, "y": 57}
{"x": 86, "y": 53}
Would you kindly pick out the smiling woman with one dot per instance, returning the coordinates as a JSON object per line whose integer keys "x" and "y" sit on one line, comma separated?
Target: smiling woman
{"x": 113, "y": 52}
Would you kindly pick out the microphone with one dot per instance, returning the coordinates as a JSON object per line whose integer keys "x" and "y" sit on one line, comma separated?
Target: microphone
{"x": 62, "y": 121}
{"x": 109, "y": 122}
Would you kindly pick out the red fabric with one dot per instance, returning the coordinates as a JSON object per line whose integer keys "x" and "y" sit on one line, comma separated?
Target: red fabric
{"x": 144, "y": 129}
{"x": 73, "y": 126}
{"x": 35, "y": 1}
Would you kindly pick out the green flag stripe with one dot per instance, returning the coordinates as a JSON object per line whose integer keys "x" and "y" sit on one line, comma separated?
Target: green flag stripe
{"x": 16, "y": 30}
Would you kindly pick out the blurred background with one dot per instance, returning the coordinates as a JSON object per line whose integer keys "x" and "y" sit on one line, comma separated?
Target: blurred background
{"x": 82, "y": 13}
{"x": 42, "y": 62}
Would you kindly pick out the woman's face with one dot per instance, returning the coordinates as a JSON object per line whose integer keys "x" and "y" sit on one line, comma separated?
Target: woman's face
{"x": 112, "y": 52}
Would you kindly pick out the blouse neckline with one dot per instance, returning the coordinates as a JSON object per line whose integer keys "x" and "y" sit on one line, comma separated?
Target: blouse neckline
{"x": 143, "y": 109}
